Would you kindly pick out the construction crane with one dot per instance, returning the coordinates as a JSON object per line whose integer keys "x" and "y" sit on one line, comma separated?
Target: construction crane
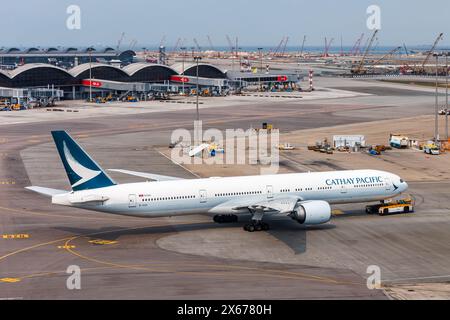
{"x": 406, "y": 50}
{"x": 390, "y": 53}
{"x": 177, "y": 44}
{"x": 230, "y": 43}
{"x": 119, "y": 43}
{"x": 327, "y": 46}
{"x": 359, "y": 68}
{"x": 133, "y": 44}
{"x": 197, "y": 45}
{"x": 276, "y": 51}
{"x": 356, "y": 47}
{"x": 210, "y": 43}
{"x": 303, "y": 45}
{"x": 283, "y": 51}
{"x": 427, "y": 58}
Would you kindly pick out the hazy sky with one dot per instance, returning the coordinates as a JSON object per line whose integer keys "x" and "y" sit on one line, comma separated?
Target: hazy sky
{"x": 256, "y": 22}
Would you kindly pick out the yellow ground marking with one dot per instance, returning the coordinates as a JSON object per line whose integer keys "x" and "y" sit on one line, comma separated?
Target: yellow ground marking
{"x": 66, "y": 247}
{"x": 102, "y": 242}
{"x": 16, "y": 236}
{"x": 31, "y": 247}
{"x": 10, "y": 280}
{"x": 337, "y": 212}
{"x": 253, "y": 271}
{"x": 7, "y": 182}
{"x": 79, "y": 217}
{"x": 164, "y": 267}
{"x": 259, "y": 272}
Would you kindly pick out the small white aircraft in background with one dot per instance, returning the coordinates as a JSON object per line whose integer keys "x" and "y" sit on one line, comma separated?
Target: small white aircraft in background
{"x": 305, "y": 197}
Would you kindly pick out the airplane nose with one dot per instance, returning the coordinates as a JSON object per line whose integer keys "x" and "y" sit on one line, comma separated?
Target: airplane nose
{"x": 405, "y": 186}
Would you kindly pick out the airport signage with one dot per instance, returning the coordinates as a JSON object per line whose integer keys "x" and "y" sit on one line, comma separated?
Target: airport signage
{"x": 179, "y": 79}
{"x": 90, "y": 83}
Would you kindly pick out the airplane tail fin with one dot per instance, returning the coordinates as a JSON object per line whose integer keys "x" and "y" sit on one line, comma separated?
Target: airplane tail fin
{"x": 83, "y": 172}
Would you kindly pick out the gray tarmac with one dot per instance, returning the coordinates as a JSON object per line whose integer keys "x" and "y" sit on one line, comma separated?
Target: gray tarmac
{"x": 191, "y": 257}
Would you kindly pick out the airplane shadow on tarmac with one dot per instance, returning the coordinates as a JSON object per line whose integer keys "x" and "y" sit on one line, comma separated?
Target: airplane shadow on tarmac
{"x": 293, "y": 234}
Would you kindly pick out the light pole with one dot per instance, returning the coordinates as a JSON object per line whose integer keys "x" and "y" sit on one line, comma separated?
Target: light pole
{"x": 197, "y": 59}
{"x": 90, "y": 74}
{"x": 446, "y": 96}
{"x": 260, "y": 67}
{"x": 182, "y": 67}
{"x": 436, "y": 101}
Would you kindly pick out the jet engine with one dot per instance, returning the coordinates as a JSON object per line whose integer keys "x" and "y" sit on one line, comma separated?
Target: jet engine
{"x": 312, "y": 212}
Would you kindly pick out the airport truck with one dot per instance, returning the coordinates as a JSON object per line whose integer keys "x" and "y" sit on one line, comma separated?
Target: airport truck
{"x": 388, "y": 207}
{"x": 398, "y": 141}
{"x": 431, "y": 148}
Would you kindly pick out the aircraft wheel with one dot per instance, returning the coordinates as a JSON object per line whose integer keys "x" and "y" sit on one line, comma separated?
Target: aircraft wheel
{"x": 258, "y": 227}
{"x": 250, "y": 228}
{"x": 265, "y": 226}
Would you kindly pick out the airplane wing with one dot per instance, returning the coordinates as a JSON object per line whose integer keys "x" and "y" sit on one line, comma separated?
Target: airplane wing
{"x": 282, "y": 205}
{"x": 150, "y": 176}
{"x": 279, "y": 205}
{"x": 46, "y": 191}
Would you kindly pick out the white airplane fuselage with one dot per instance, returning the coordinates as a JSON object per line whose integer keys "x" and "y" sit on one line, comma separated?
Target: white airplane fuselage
{"x": 211, "y": 195}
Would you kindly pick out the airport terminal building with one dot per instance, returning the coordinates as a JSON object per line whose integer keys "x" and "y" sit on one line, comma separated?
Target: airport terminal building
{"x": 81, "y": 73}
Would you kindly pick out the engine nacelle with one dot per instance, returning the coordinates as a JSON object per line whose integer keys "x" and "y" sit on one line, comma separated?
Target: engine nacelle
{"x": 312, "y": 212}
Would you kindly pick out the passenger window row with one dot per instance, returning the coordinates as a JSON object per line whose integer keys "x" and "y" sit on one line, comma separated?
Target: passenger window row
{"x": 369, "y": 185}
{"x": 237, "y": 193}
{"x": 167, "y": 198}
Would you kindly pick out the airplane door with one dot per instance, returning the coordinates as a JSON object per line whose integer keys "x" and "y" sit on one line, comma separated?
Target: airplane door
{"x": 343, "y": 189}
{"x": 269, "y": 190}
{"x": 132, "y": 201}
{"x": 203, "y": 196}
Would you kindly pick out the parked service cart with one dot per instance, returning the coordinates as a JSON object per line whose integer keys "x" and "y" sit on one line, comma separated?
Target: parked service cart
{"x": 397, "y": 206}
{"x": 398, "y": 141}
{"x": 431, "y": 148}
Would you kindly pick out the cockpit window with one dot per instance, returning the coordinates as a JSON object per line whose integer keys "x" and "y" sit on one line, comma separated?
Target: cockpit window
{"x": 401, "y": 181}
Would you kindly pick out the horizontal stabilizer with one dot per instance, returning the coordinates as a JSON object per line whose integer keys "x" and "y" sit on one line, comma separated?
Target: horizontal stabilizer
{"x": 149, "y": 176}
{"x": 46, "y": 191}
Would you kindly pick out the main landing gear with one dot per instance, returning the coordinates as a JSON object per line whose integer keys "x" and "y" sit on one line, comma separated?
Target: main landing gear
{"x": 256, "y": 226}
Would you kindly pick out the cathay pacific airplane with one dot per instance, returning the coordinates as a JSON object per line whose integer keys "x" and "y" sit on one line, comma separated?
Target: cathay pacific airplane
{"x": 304, "y": 197}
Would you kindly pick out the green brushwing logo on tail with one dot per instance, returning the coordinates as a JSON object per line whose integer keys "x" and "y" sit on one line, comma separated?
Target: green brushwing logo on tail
{"x": 83, "y": 172}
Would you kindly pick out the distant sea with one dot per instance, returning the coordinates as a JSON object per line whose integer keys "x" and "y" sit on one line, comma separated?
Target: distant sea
{"x": 312, "y": 49}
